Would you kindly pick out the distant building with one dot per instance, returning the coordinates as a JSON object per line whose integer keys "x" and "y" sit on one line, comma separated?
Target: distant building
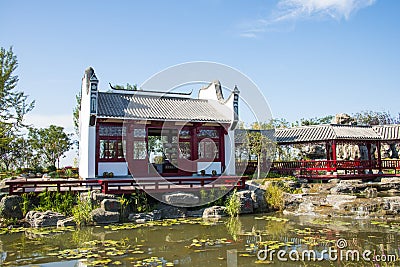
{"x": 145, "y": 133}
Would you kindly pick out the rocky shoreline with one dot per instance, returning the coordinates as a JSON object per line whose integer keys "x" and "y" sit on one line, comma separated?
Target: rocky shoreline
{"x": 351, "y": 198}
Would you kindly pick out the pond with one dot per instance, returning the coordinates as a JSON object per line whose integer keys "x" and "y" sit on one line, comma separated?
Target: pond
{"x": 198, "y": 242}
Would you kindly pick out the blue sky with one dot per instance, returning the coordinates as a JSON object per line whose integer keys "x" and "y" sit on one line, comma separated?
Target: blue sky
{"x": 310, "y": 58}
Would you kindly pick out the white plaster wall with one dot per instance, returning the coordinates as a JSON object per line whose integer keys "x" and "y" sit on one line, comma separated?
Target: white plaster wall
{"x": 209, "y": 166}
{"x": 87, "y": 140}
{"x": 208, "y": 93}
{"x": 229, "y": 141}
{"x": 118, "y": 168}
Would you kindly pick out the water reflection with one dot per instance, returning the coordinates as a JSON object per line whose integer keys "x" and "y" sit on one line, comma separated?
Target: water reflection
{"x": 194, "y": 242}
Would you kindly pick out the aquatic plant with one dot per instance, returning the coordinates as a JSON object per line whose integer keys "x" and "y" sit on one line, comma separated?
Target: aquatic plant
{"x": 56, "y": 201}
{"x": 234, "y": 227}
{"x": 232, "y": 204}
{"x": 82, "y": 211}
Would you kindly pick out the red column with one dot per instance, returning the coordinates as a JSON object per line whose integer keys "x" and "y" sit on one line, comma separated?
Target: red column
{"x": 369, "y": 157}
{"x": 334, "y": 157}
{"x": 378, "y": 148}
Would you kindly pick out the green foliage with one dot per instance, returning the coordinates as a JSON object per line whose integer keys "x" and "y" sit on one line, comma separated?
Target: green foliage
{"x": 274, "y": 197}
{"x": 137, "y": 201}
{"x": 314, "y": 121}
{"x": 75, "y": 113}
{"x": 232, "y": 204}
{"x": 56, "y": 201}
{"x": 369, "y": 117}
{"x": 234, "y": 227}
{"x": 13, "y": 104}
{"x": 128, "y": 87}
{"x": 51, "y": 142}
{"x": 82, "y": 211}
{"x": 26, "y": 203}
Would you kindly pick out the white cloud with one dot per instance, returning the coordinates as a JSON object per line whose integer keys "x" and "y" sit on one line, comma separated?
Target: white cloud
{"x": 305, "y": 9}
{"x": 290, "y": 11}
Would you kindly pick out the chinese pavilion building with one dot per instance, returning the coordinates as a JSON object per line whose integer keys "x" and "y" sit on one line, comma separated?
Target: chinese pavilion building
{"x": 147, "y": 133}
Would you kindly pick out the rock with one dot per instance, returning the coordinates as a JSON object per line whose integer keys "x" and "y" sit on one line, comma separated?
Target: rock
{"x": 214, "y": 212}
{"x": 334, "y": 181}
{"x": 10, "y": 207}
{"x": 259, "y": 201}
{"x": 348, "y": 187}
{"x": 386, "y": 180}
{"x": 306, "y": 208}
{"x": 313, "y": 152}
{"x": 343, "y": 118}
{"x": 145, "y": 216}
{"x": 246, "y": 202}
{"x": 292, "y": 201}
{"x": 195, "y": 213}
{"x": 96, "y": 197}
{"x": 111, "y": 205}
{"x": 66, "y": 222}
{"x": 371, "y": 192}
{"x": 337, "y": 201}
{"x": 181, "y": 199}
{"x": 43, "y": 219}
{"x": 100, "y": 216}
{"x": 171, "y": 212}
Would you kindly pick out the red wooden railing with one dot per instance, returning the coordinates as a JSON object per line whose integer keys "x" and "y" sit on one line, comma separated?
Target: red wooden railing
{"x": 21, "y": 186}
{"x": 125, "y": 186}
{"x": 113, "y": 186}
{"x": 335, "y": 165}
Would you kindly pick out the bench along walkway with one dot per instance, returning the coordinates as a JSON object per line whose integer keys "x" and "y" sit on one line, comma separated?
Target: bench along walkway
{"x": 125, "y": 186}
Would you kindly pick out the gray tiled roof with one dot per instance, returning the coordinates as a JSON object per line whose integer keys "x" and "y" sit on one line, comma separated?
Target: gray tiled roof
{"x": 388, "y": 132}
{"x": 321, "y": 133}
{"x": 135, "y": 106}
{"x": 316, "y": 133}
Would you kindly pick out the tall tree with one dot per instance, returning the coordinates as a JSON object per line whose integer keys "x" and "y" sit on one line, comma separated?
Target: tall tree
{"x": 75, "y": 113}
{"x": 13, "y": 104}
{"x": 51, "y": 143}
{"x": 261, "y": 146}
{"x": 369, "y": 117}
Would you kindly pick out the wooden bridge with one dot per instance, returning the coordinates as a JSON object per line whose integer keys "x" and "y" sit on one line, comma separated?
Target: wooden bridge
{"x": 126, "y": 186}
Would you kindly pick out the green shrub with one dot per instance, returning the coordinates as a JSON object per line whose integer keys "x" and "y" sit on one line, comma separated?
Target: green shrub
{"x": 51, "y": 168}
{"x": 56, "y": 201}
{"x": 82, "y": 211}
{"x": 232, "y": 204}
{"x": 274, "y": 195}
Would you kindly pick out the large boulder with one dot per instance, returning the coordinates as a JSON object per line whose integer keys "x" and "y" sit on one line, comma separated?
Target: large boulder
{"x": 171, "y": 212}
{"x": 246, "y": 202}
{"x": 337, "y": 201}
{"x": 43, "y": 219}
{"x": 66, "y": 222}
{"x": 111, "y": 205}
{"x": 10, "y": 207}
{"x": 349, "y": 187}
{"x": 101, "y": 216}
{"x": 145, "y": 216}
{"x": 96, "y": 197}
{"x": 214, "y": 212}
{"x": 180, "y": 199}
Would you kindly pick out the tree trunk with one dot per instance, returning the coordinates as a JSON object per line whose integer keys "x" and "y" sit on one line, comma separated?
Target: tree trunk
{"x": 258, "y": 166}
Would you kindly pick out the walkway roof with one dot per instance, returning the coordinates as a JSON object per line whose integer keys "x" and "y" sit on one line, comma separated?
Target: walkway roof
{"x": 329, "y": 132}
